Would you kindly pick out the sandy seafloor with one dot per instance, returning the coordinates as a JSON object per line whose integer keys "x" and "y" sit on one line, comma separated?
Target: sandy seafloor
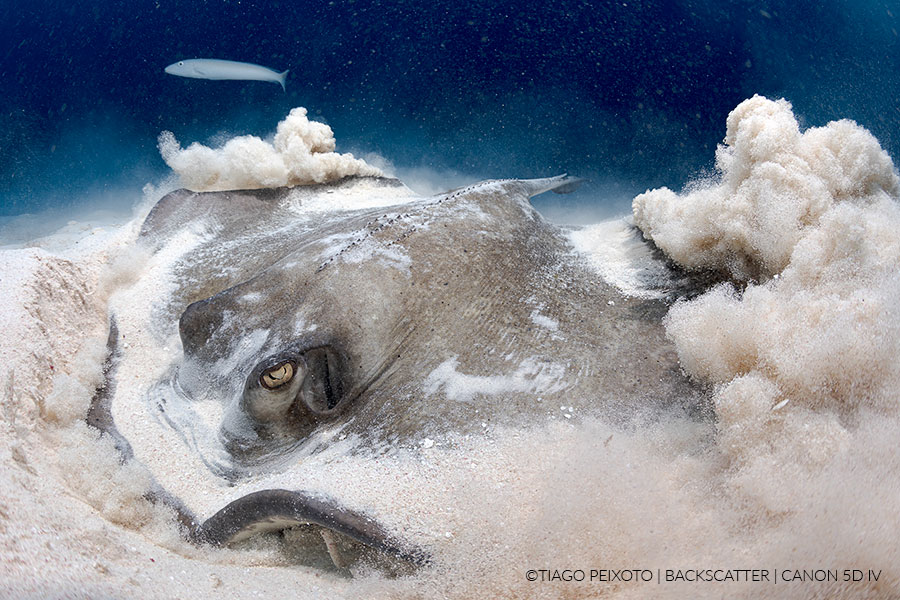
{"x": 798, "y": 472}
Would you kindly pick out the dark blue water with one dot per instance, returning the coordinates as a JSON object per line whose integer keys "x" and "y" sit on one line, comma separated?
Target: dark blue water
{"x": 632, "y": 94}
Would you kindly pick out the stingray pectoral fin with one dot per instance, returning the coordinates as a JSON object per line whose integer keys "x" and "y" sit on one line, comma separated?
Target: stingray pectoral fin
{"x": 273, "y": 510}
{"x": 99, "y": 413}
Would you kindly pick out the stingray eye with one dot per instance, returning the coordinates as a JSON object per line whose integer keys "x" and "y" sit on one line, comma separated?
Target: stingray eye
{"x": 287, "y": 395}
{"x": 277, "y": 376}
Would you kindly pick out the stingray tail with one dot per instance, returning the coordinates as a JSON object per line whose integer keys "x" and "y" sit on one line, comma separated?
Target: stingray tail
{"x": 281, "y": 79}
{"x": 568, "y": 185}
{"x": 561, "y": 184}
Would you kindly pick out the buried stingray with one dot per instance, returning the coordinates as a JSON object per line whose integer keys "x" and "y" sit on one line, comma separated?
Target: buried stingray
{"x": 273, "y": 329}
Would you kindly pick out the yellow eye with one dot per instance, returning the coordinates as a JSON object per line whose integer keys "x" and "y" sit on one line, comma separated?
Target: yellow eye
{"x": 277, "y": 376}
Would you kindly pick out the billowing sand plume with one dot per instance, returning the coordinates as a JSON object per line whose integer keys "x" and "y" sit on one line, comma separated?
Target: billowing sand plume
{"x": 776, "y": 183}
{"x": 302, "y": 153}
{"x": 802, "y": 348}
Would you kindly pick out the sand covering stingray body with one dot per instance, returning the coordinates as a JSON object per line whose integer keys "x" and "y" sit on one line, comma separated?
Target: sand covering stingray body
{"x": 278, "y": 329}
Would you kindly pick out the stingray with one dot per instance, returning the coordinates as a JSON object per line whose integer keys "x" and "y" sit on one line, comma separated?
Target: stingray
{"x": 273, "y": 328}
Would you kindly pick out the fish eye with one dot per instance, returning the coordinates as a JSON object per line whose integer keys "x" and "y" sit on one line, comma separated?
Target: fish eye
{"x": 180, "y": 63}
{"x": 277, "y": 376}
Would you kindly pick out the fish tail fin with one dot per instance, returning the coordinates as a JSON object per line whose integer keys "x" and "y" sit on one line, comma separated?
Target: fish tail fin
{"x": 281, "y": 79}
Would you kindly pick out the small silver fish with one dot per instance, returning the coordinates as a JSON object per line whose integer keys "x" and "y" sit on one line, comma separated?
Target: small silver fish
{"x": 212, "y": 68}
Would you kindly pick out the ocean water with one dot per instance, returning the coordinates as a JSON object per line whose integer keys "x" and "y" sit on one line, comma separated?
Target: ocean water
{"x": 754, "y": 143}
{"x": 631, "y": 94}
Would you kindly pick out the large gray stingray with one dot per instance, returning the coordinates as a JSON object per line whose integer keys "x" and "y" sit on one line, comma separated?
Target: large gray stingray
{"x": 272, "y": 325}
